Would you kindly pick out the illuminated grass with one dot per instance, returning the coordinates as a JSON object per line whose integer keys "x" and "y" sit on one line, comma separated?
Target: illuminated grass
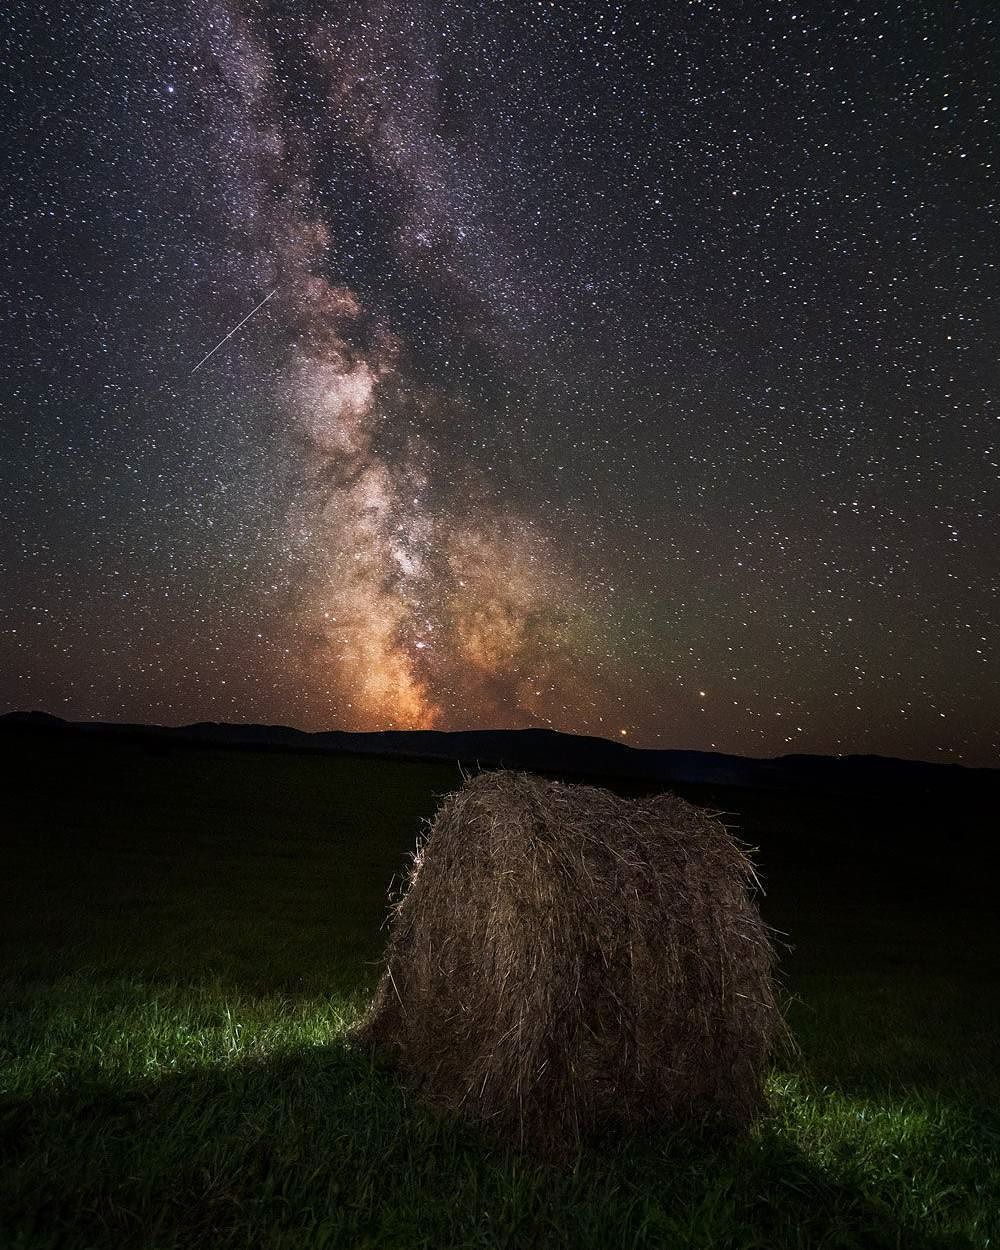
{"x": 177, "y": 1074}
{"x": 150, "y": 1114}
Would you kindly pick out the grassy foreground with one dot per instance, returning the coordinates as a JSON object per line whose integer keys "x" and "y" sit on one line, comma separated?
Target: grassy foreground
{"x": 186, "y": 937}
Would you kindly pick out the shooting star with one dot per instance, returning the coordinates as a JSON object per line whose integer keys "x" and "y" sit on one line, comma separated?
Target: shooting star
{"x": 232, "y": 332}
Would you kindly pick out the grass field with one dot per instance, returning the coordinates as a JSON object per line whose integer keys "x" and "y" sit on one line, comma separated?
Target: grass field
{"x": 186, "y": 935}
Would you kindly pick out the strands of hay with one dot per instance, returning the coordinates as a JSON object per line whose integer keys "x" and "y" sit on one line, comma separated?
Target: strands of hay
{"x": 563, "y": 959}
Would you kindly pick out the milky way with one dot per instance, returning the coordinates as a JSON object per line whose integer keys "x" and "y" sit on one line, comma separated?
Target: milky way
{"x": 629, "y": 370}
{"x": 419, "y": 602}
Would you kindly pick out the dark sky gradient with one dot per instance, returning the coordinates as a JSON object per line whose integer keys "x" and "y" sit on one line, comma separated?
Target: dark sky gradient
{"x": 630, "y": 369}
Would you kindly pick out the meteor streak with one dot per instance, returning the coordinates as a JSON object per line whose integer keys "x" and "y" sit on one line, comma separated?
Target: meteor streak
{"x": 232, "y": 332}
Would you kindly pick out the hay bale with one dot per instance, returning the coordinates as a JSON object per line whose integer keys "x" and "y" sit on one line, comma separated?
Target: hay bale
{"x": 563, "y": 959}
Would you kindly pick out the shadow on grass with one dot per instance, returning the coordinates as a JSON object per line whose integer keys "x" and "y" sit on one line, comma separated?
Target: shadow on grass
{"x": 317, "y": 1146}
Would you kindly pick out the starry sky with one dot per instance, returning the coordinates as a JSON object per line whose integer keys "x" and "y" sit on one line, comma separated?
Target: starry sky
{"x": 626, "y": 369}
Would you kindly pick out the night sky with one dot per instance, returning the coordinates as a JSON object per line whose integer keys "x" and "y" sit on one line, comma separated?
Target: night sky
{"x": 629, "y": 369}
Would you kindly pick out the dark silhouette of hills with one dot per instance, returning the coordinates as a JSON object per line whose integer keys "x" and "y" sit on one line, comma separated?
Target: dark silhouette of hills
{"x": 570, "y": 755}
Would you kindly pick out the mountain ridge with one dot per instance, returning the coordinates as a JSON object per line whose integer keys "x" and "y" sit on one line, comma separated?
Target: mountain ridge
{"x": 548, "y": 750}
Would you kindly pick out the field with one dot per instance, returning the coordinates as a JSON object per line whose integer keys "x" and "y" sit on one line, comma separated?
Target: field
{"x": 186, "y": 935}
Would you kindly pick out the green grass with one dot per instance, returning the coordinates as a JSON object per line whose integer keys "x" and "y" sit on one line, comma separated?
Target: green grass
{"x": 186, "y": 937}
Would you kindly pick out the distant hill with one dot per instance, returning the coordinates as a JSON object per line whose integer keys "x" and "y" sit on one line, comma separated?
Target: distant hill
{"x": 570, "y": 755}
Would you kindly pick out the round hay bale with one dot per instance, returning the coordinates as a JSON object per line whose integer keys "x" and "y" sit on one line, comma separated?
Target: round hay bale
{"x": 563, "y": 959}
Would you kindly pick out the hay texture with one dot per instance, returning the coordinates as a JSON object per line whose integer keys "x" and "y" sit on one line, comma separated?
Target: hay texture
{"x": 563, "y": 960}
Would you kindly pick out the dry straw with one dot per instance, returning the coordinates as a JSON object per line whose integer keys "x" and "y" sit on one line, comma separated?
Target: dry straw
{"x": 563, "y": 960}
